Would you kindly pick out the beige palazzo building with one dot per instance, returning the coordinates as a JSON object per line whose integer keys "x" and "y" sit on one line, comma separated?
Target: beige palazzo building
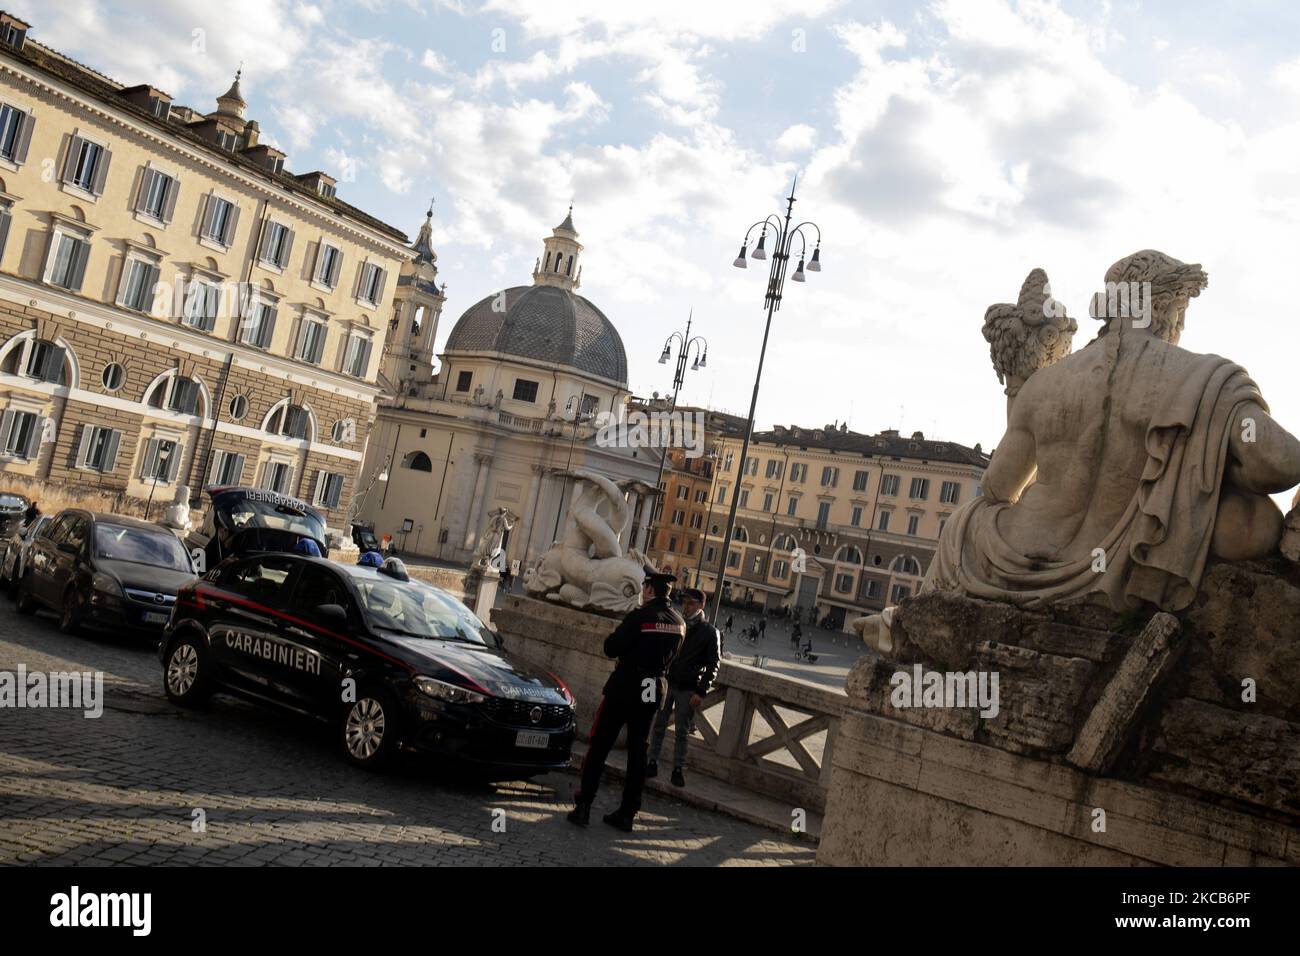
{"x": 176, "y": 307}
{"x": 523, "y": 377}
{"x": 862, "y": 513}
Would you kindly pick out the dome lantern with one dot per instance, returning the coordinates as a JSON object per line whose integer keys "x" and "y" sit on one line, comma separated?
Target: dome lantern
{"x": 231, "y": 102}
{"x": 559, "y": 265}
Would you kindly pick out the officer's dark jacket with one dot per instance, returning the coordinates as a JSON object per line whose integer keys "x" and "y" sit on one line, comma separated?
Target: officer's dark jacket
{"x": 645, "y": 643}
{"x": 696, "y": 665}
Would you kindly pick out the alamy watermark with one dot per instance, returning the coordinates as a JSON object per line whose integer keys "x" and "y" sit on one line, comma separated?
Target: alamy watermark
{"x": 921, "y": 688}
{"x": 70, "y": 690}
{"x": 1119, "y": 300}
{"x": 655, "y": 429}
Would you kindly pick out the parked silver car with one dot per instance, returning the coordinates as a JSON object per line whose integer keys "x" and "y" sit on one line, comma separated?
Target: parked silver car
{"x": 17, "y": 551}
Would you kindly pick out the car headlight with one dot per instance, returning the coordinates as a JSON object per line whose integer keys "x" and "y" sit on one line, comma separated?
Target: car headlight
{"x": 450, "y": 693}
{"x": 106, "y": 585}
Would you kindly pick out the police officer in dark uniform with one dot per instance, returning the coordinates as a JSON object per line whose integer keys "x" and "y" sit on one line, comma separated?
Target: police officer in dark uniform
{"x": 645, "y": 644}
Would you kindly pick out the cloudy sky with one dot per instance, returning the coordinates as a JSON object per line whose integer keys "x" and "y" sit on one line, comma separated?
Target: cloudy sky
{"x": 943, "y": 148}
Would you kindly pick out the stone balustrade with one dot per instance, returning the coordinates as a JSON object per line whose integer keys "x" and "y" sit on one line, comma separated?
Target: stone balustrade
{"x": 760, "y": 731}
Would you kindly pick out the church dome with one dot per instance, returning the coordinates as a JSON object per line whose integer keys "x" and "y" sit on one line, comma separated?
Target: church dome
{"x": 543, "y": 323}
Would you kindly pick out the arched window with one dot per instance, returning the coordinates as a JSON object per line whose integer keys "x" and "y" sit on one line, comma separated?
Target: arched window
{"x": 417, "y": 461}
{"x": 291, "y": 421}
{"x": 906, "y": 564}
{"x": 740, "y": 534}
{"x": 546, "y": 263}
{"x": 41, "y": 359}
{"x": 568, "y": 269}
{"x": 849, "y": 555}
{"x": 176, "y": 393}
{"x": 559, "y": 261}
{"x": 783, "y": 542}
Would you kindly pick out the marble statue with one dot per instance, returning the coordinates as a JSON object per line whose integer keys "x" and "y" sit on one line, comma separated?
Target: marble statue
{"x": 1125, "y": 466}
{"x": 176, "y": 516}
{"x": 587, "y": 567}
{"x": 1029, "y": 335}
{"x": 500, "y": 521}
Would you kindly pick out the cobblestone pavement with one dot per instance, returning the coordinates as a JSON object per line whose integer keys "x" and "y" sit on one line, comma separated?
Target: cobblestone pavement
{"x": 128, "y": 787}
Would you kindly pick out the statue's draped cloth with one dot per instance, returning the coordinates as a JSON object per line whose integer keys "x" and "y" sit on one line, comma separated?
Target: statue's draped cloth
{"x": 1157, "y": 551}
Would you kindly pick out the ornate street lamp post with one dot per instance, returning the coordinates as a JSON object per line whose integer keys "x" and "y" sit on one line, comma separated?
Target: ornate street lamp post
{"x": 685, "y": 345}
{"x": 783, "y": 236}
{"x": 579, "y": 417}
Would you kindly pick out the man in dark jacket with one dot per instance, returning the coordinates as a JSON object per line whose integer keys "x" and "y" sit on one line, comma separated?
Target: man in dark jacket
{"x": 645, "y": 644}
{"x": 690, "y": 677}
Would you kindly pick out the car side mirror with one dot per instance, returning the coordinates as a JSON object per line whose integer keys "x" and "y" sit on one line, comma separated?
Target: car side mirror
{"x": 332, "y": 615}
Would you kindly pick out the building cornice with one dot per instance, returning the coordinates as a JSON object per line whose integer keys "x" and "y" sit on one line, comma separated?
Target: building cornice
{"x": 333, "y": 219}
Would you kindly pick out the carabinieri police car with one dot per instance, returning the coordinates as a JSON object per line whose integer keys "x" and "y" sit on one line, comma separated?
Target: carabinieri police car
{"x": 394, "y": 663}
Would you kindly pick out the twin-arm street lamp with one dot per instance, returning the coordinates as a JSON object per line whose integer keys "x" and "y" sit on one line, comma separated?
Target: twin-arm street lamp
{"x": 686, "y": 346}
{"x": 783, "y": 240}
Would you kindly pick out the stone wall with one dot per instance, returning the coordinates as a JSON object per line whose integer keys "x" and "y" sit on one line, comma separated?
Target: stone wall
{"x": 1184, "y": 731}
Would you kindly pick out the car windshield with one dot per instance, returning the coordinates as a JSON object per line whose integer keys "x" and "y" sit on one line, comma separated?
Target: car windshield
{"x": 247, "y": 513}
{"x": 417, "y": 610}
{"x": 13, "y": 502}
{"x": 157, "y": 548}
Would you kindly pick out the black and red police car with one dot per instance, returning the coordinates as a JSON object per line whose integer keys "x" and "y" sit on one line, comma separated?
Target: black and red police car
{"x": 395, "y": 664}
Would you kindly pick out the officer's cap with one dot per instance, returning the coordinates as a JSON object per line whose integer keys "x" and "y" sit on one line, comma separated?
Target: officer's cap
{"x": 652, "y": 575}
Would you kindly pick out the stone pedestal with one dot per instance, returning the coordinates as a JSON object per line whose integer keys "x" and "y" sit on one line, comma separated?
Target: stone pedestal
{"x": 1130, "y": 739}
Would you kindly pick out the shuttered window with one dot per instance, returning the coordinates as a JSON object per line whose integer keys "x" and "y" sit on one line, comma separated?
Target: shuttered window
{"x": 15, "y": 133}
{"x": 161, "y": 460}
{"x": 277, "y": 476}
{"x": 356, "y": 360}
{"x": 227, "y": 468}
{"x": 329, "y": 260}
{"x": 329, "y": 489}
{"x": 220, "y": 219}
{"x": 258, "y": 327}
{"x": 371, "y": 286}
{"x": 97, "y": 450}
{"x": 20, "y": 434}
{"x": 202, "y": 304}
{"x": 45, "y": 361}
{"x": 86, "y": 166}
{"x": 311, "y": 340}
{"x": 139, "y": 277}
{"x": 157, "y": 196}
{"x": 67, "y": 264}
{"x": 277, "y": 244}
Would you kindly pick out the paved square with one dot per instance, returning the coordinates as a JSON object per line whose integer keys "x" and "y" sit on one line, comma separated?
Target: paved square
{"x": 150, "y": 784}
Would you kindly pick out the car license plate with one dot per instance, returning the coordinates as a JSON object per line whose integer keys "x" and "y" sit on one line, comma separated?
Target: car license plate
{"x": 527, "y": 738}
{"x": 156, "y": 617}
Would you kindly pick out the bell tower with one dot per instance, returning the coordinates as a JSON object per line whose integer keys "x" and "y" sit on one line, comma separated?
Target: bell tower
{"x": 417, "y": 307}
{"x": 559, "y": 264}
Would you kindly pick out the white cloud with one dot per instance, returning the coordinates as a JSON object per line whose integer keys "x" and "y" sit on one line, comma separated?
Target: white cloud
{"x": 799, "y": 138}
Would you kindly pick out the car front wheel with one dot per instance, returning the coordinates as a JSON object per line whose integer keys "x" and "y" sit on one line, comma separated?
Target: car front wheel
{"x": 187, "y": 674}
{"x": 368, "y": 729}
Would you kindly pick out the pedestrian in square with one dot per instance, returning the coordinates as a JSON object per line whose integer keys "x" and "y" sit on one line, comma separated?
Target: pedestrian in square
{"x": 690, "y": 678}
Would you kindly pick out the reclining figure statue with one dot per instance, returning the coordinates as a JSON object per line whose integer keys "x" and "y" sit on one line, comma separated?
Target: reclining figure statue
{"x": 1125, "y": 465}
